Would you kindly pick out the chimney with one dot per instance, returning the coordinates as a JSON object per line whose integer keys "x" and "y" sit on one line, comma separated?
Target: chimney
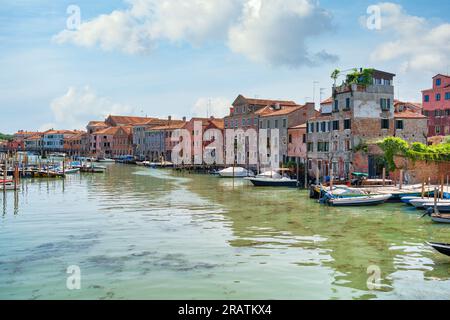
{"x": 170, "y": 118}
{"x": 184, "y": 119}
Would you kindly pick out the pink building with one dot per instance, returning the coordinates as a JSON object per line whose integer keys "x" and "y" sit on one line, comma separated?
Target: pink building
{"x": 436, "y": 106}
{"x": 297, "y": 143}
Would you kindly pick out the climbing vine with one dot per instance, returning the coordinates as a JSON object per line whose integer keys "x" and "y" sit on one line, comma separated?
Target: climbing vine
{"x": 393, "y": 146}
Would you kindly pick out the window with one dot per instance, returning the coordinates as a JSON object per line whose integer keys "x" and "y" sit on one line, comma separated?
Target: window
{"x": 385, "y": 104}
{"x": 310, "y": 147}
{"x": 447, "y": 96}
{"x": 255, "y": 122}
{"x": 323, "y": 127}
{"x": 347, "y": 145}
{"x": 284, "y": 123}
{"x": 243, "y": 122}
{"x": 438, "y": 82}
{"x": 347, "y": 104}
{"x": 437, "y": 129}
{"x": 336, "y": 106}
{"x": 304, "y": 138}
{"x": 447, "y": 112}
{"x": 438, "y": 97}
{"x": 426, "y": 98}
{"x": 347, "y": 124}
{"x": 268, "y": 124}
{"x": 311, "y": 127}
{"x": 399, "y": 124}
{"x": 290, "y": 138}
{"x": 384, "y": 123}
{"x": 317, "y": 127}
{"x": 276, "y": 123}
{"x": 226, "y": 123}
{"x": 336, "y": 125}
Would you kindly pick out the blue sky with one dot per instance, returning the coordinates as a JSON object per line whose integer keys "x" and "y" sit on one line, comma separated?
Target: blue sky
{"x": 193, "y": 57}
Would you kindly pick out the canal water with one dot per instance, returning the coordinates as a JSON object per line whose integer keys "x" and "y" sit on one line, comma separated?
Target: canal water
{"x": 140, "y": 233}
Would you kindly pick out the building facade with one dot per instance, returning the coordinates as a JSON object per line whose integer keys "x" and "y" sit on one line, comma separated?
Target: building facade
{"x": 343, "y": 141}
{"x": 436, "y": 106}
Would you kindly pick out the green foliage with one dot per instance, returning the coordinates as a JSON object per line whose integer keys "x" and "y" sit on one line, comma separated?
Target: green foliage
{"x": 393, "y": 146}
{"x": 364, "y": 77}
{"x": 335, "y": 74}
{"x": 362, "y": 146}
{"x": 6, "y": 137}
{"x": 446, "y": 140}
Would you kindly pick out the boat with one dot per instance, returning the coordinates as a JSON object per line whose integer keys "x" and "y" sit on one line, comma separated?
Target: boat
{"x": 236, "y": 172}
{"x": 407, "y": 199}
{"x": 368, "y": 200}
{"x": 443, "y": 248}
{"x": 273, "y": 178}
{"x": 420, "y": 202}
{"x": 442, "y": 206}
{"x": 106, "y": 160}
{"x": 6, "y": 185}
{"x": 69, "y": 170}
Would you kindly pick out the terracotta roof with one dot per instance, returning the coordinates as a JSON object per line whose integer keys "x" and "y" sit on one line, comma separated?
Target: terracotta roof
{"x": 27, "y": 133}
{"x": 417, "y": 105}
{"x": 172, "y": 126}
{"x": 61, "y": 132}
{"x": 265, "y": 102}
{"x": 36, "y": 137}
{"x": 409, "y": 115}
{"x": 128, "y": 120}
{"x": 219, "y": 123}
{"x": 300, "y": 126}
{"x": 97, "y": 124}
{"x": 114, "y": 130}
{"x": 268, "y": 111}
{"x": 327, "y": 101}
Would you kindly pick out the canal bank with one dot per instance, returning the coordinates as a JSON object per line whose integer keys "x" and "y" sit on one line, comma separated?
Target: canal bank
{"x": 147, "y": 233}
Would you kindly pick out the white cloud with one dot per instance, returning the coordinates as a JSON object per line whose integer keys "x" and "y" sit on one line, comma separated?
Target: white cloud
{"x": 416, "y": 43}
{"x": 275, "y": 31}
{"x": 272, "y": 31}
{"x": 77, "y": 107}
{"x": 217, "y": 107}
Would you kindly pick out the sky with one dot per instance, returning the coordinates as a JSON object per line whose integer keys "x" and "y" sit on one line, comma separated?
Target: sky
{"x": 64, "y": 63}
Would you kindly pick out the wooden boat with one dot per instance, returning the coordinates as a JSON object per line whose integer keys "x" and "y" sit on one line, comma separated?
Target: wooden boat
{"x": 368, "y": 200}
{"x": 443, "y": 248}
{"x": 236, "y": 172}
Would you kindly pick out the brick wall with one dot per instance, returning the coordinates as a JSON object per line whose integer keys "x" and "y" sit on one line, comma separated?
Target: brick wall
{"x": 418, "y": 171}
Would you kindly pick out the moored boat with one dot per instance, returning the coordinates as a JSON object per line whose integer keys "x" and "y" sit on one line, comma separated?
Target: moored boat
{"x": 368, "y": 200}
{"x": 442, "y": 206}
{"x": 236, "y": 172}
{"x": 420, "y": 202}
{"x": 443, "y": 248}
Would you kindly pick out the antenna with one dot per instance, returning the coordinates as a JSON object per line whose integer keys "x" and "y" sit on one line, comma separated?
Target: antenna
{"x": 314, "y": 92}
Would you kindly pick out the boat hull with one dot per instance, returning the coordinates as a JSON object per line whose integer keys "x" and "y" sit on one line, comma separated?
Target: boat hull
{"x": 359, "y": 201}
{"x": 273, "y": 183}
{"x": 443, "y": 248}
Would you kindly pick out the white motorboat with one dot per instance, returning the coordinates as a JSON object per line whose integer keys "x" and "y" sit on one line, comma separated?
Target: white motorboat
{"x": 106, "y": 160}
{"x": 236, "y": 172}
{"x": 369, "y": 200}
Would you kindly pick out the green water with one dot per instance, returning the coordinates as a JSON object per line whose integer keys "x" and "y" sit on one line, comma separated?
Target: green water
{"x": 139, "y": 233}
